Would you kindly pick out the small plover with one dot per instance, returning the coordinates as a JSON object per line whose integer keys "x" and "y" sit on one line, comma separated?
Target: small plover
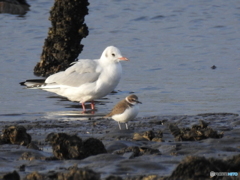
{"x": 126, "y": 110}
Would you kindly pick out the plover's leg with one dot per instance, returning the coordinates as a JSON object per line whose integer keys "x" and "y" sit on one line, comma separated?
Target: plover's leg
{"x": 119, "y": 125}
{"x": 126, "y": 125}
{"x": 92, "y": 105}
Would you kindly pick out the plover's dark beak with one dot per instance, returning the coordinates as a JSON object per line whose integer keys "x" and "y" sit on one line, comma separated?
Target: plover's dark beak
{"x": 138, "y": 102}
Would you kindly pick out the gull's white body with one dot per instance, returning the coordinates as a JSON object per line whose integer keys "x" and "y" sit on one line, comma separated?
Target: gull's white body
{"x": 86, "y": 79}
{"x": 106, "y": 78}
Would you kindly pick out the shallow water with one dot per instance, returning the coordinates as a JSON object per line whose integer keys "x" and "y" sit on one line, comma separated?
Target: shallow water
{"x": 171, "y": 46}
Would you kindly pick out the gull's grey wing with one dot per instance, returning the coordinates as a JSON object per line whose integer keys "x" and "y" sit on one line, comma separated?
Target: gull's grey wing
{"x": 83, "y": 71}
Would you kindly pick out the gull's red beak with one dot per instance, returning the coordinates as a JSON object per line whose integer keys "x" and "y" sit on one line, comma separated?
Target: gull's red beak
{"x": 123, "y": 59}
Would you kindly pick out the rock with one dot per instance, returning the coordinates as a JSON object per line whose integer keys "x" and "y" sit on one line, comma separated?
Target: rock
{"x": 198, "y": 168}
{"x": 11, "y": 176}
{"x": 15, "y": 135}
{"x": 71, "y": 146}
{"x": 197, "y": 132}
{"x": 234, "y": 164}
{"x": 139, "y": 137}
{"x": 30, "y": 156}
{"x": 144, "y": 177}
{"x": 79, "y": 173}
{"x": 157, "y": 139}
{"x": 74, "y": 173}
{"x": 174, "y": 130}
{"x": 66, "y": 146}
{"x": 149, "y": 136}
{"x": 93, "y": 146}
{"x": 62, "y": 45}
{"x": 35, "y": 176}
{"x": 151, "y": 177}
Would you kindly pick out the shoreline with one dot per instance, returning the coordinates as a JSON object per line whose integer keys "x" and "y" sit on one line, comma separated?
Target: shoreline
{"x": 124, "y": 165}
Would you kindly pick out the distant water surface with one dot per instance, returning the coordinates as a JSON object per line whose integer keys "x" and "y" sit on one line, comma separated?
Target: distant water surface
{"x": 172, "y": 46}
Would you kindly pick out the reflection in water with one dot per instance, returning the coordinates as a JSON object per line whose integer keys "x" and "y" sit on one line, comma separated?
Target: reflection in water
{"x": 14, "y": 7}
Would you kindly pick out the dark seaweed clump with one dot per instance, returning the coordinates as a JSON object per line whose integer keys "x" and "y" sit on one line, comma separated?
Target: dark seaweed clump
{"x": 196, "y": 133}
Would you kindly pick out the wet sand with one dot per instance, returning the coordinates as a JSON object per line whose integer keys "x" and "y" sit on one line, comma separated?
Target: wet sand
{"x": 159, "y": 156}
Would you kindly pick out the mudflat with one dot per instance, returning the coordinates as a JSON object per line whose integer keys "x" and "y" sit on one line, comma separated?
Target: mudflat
{"x": 152, "y": 147}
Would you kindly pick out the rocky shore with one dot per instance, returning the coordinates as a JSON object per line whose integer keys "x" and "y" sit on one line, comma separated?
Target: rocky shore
{"x": 157, "y": 147}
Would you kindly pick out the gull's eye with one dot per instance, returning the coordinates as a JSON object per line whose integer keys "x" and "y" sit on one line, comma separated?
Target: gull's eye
{"x": 113, "y": 54}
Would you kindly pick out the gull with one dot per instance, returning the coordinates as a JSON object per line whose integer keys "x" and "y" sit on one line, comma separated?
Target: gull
{"x": 86, "y": 79}
{"x": 126, "y": 110}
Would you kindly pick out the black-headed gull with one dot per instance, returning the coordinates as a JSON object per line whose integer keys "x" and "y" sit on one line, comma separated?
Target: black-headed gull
{"x": 86, "y": 79}
{"x": 125, "y": 110}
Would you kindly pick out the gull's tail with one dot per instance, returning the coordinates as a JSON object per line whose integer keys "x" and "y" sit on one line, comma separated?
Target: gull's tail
{"x": 33, "y": 83}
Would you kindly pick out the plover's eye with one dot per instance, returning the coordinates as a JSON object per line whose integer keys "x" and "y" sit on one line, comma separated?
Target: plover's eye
{"x": 113, "y": 54}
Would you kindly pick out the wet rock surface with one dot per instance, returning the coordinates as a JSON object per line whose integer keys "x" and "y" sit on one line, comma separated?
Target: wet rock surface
{"x": 15, "y": 135}
{"x": 72, "y": 173}
{"x": 62, "y": 46}
{"x": 194, "y": 167}
{"x": 11, "y": 176}
{"x": 122, "y": 157}
{"x": 72, "y": 147}
{"x": 197, "y": 132}
{"x": 149, "y": 135}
